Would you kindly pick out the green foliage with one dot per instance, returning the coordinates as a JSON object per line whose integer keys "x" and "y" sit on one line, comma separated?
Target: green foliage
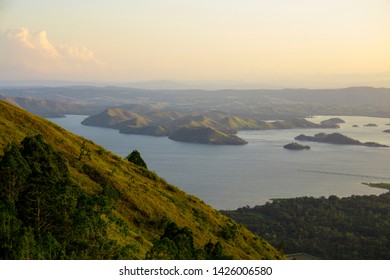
{"x": 178, "y": 244}
{"x": 46, "y": 216}
{"x": 85, "y": 152}
{"x": 14, "y": 171}
{"x": 175, "y": 244}
{"x": 229, "y": 231}
{"x": 215, "y": 252}
{"x": 135, "y": 157}
{"x": 356, "y": 227}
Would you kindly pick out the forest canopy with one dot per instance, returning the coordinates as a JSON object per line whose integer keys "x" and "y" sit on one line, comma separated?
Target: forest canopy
{"x": 44, "y": 214}
{"x": 356, "y": 227}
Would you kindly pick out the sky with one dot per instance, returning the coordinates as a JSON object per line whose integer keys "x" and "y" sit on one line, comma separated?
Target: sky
{"x": 268, "y": 43}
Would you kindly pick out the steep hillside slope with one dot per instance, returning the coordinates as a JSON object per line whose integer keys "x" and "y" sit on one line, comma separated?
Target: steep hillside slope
{"x": 143, "y": 204}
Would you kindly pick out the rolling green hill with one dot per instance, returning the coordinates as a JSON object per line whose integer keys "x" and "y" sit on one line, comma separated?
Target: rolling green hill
{"x": 118, "y": 209}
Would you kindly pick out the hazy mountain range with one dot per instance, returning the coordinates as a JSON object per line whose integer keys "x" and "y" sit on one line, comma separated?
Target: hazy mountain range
{"x": 261, "y": 103}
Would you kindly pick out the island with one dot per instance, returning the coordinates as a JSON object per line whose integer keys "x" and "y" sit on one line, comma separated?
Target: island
{"x": 371, "y": 125}
{"x": 336, "y": 138}
{"x": 296, "y": 147}
{"x": 386, "y": 131}
{"x": 332, "y": 123}
{"x": 205, "y": 135}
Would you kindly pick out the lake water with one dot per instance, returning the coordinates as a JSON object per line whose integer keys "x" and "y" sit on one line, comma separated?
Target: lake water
{"x": 228, "y": 177}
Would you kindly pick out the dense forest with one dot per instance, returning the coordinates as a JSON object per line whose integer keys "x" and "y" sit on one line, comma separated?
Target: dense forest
{"x": 44, "y": 215}
{"x": 356, "y": 227}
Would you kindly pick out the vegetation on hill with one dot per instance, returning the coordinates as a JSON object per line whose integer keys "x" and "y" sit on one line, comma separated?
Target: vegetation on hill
{"x": 96, "y": 205}
{"x": 356, "y": 227}
{"x": 178, "y": 244}
{"x": 135, "y": 157}
{"x": 44, "y": 214}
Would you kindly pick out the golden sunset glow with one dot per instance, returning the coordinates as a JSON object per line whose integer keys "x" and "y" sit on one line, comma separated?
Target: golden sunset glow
{"x": 278, "y": 43}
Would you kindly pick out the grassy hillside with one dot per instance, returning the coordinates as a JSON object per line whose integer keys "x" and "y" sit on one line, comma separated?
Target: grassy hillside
{"x": 143, "y": 203}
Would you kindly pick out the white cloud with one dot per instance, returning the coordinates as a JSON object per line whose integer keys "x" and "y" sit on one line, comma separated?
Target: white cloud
{"x": 27, "y": 55}
{"x": 38, "y": 43}
{"x": 77, "y": 53}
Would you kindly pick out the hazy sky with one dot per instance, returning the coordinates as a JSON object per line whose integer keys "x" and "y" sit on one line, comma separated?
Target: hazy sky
{"x": 286, "y": 43}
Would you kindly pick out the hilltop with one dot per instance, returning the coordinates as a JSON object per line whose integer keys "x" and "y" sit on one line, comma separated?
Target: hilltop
{"x": 125, "y": 207}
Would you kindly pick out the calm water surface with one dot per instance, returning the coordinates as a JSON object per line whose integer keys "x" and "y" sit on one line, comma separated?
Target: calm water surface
{"x": 228, "y": 177}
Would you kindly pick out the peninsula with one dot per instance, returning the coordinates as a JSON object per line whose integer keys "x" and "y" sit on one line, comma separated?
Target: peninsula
{"x": 336, "y": 138}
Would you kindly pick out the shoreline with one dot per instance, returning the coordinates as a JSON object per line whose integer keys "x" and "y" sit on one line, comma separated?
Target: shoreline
{"x": 385, "y": 186}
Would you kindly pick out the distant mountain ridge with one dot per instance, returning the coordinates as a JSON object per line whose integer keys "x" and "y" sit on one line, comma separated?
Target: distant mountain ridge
{"x": 258, "y": 103}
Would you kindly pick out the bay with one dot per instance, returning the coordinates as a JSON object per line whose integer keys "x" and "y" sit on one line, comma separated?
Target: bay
{"x": 228, "y": 177}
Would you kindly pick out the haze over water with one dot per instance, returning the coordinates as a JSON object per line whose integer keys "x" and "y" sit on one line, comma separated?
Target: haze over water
{"x": 228, "y": 177}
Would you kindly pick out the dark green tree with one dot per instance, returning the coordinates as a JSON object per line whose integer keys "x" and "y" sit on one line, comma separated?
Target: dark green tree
{"x": 14, "y": 172}
{"x": 44, "y": 214}
{"x": 175, "y": 244}
{"x": 215, "y": 251}
{"x": 135, "y": 157}
{"x": 42, "y": 202}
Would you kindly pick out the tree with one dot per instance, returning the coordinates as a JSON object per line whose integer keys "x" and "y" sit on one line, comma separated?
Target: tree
{"x": 215, "y": 251}
{"x": 175, "y": 244}
{"x": 44, "y": 214}
{"x": 42, "y": 201}
{"x": 135, "y": 157}
{"x": 14, "y": 171}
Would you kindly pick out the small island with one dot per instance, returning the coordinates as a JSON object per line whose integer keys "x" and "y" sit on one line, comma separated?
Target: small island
{"x": 296, "y": 147}
{"x": 337, "y": 138}
{"x": 386, "y": 131}
{"x": 371, "y": 125}
{"x": 332, "y": 123}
